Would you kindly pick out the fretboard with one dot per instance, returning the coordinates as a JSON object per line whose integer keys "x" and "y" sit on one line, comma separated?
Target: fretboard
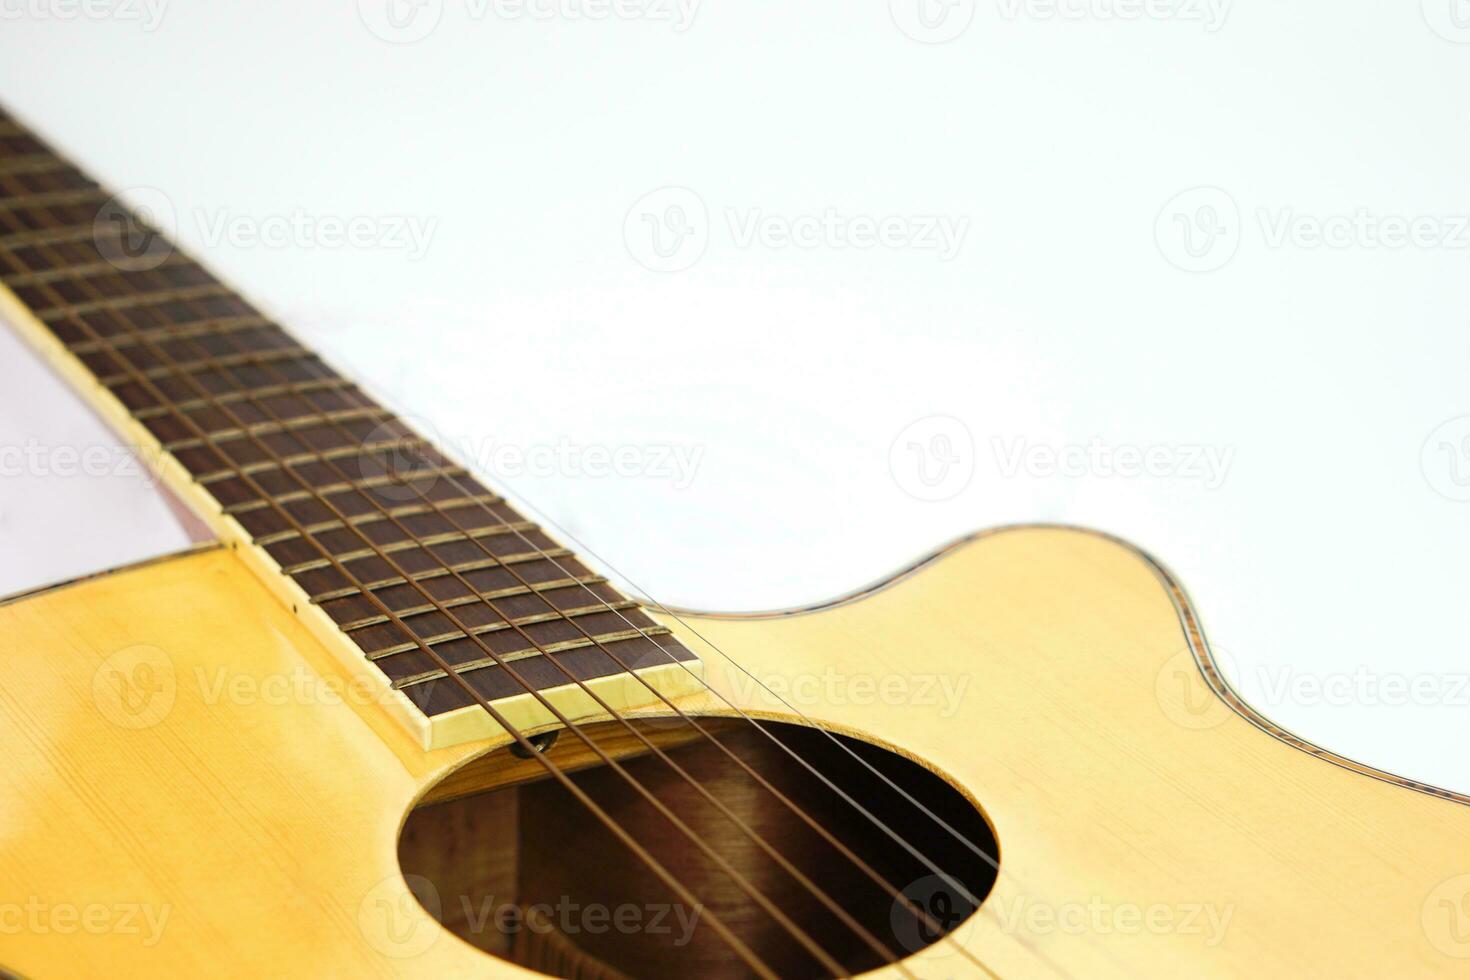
{"x": 350, "y": 505}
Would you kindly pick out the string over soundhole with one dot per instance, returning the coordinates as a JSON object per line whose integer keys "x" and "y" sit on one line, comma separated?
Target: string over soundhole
{"x": 553, "y": 890}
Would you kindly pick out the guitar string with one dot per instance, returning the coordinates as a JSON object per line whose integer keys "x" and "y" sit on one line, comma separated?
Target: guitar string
{"x": 679, "y": 889}
{"x": 831, "y": 904}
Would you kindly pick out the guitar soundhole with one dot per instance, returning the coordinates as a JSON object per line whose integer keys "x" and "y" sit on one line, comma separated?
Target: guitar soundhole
{"x": 527, "y": 873}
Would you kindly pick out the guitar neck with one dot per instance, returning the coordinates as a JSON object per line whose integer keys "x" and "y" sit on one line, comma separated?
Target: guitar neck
{"x": 380, "y": 541}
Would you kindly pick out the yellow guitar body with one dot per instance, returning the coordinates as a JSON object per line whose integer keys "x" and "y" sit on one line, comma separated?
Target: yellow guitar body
{"x": 191, "y": 788}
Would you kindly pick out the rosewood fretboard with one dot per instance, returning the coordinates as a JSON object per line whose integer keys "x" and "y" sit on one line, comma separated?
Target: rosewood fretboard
{"x": 342, "y": 495}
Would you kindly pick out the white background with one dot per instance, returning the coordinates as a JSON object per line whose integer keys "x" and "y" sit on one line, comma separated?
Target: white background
{"x": 1331, "y": 549}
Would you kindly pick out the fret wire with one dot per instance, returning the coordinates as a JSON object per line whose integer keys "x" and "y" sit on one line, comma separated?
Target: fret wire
{"x": 201, "y": 328}
{"x": 214, "y": 364}
{"x": 34, "y": 163}
{"x": 320, "y": 456}
{"x": 509, "y": 592}
{"x": 296, "y": 496}
{"x": 49, "y": 199}
{"x": 67, "y": 311}
{"x": 78, "y": 272}
{"x": 463, "y": 567}
{"x": 274, "y": 428}
{"x": 426, "y": 542}
{"x": 267, "y": 391}
{"x": 530, "y": 619}
{"x": 596, "y": 642}
{"x": 406, "y": 510}
{"x": 426, "y": 677}
{"x": 557, "y": 646}
{"x": 54, "y": 236}
{"x": 775, "y": 913}
{"x": 714, "y": 922}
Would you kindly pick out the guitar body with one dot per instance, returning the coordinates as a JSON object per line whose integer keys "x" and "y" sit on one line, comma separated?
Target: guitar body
{"x": 185, "y": 794}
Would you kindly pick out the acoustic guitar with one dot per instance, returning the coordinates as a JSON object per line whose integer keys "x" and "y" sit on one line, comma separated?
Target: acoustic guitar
{"x": 387, "y": 726}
